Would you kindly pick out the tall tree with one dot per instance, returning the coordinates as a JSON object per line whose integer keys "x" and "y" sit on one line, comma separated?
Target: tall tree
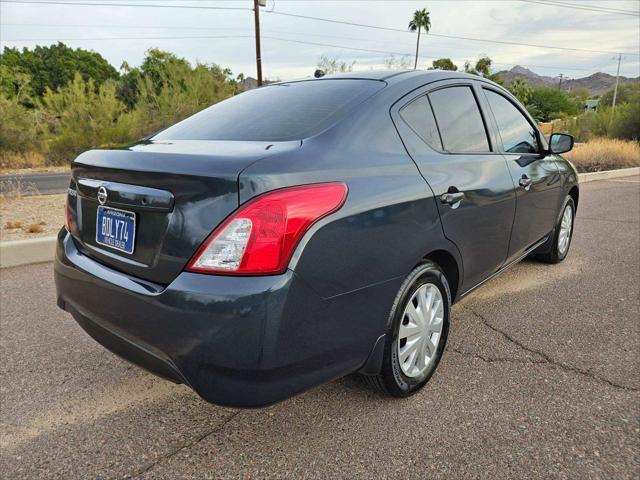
{"x": 443, "y": 64}
{"x": 419, "y": 21}
{"x": 55, "y": 66}
{"x": 482, "y": 68}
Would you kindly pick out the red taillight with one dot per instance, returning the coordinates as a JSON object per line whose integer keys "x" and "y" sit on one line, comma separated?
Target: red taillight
{"x": 67, "y": 216}
{"x": 260, "y": 237}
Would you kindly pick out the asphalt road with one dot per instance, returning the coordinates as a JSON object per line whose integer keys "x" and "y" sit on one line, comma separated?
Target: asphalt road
{"x": 540, "y": 379}
{"x": 35, "y": 183}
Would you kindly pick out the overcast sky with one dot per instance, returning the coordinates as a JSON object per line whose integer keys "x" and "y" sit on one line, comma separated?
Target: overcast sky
{"x": 123, "y": 33}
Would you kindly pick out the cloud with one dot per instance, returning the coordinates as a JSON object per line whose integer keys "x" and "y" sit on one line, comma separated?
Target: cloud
{"x": 492, "y": 19}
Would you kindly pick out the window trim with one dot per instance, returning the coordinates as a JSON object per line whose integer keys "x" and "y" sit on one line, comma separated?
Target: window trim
{"x": 424, "y": 88}
{"x": 485, "y": 123}
{"x": 415, "y": 99}
{"x": 541, "y": 147}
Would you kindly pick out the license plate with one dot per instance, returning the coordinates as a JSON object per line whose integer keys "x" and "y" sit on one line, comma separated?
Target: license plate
{"x": 116, "y": 228}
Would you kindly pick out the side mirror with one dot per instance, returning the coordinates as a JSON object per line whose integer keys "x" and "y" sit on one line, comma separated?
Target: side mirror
{"x": 560, "y": 143}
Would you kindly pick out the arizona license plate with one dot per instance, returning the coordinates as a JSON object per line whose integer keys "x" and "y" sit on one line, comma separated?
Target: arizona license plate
{"x": 116, "y": 228}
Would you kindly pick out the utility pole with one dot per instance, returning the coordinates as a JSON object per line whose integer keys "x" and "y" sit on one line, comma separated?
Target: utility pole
{"x": 256, "y": 17}
{"x": 560, "y": 84}
{"x": 615, "y": 90}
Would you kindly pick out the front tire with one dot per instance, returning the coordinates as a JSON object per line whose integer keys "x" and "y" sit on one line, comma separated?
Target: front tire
{"x": 562, "y": 235}
{"x": 417, "y": 333}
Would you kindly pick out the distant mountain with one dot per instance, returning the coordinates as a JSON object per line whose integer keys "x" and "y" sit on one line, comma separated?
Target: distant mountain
{"x": 597, "y": 84}
{"x": 248, "y": 83}
{"x": 532, "y": 78}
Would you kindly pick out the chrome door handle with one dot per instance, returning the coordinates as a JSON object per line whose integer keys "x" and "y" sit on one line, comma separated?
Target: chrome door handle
{"x": 452, "y": 199}
{"x": 525, "y": 182}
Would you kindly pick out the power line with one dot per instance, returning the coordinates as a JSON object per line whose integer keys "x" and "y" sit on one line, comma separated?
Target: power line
{"x": 290, "y": 40}
{"x": 562, "y": 2}
{"x": 474, "y": 39}
{"x": 308, "y": 17}
{"x": 459, "y": 50}
{"x": 95, "y": 25}
{"x": 410, "y": 54}
{"x": 424, "y": 57}
{"x": 575, "y": 6}
{"x": 144, "y": 5}
{"x": 121, "y": 38}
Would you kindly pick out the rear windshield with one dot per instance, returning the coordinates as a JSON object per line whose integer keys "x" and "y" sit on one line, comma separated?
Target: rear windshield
{"x": 288, "y": 111}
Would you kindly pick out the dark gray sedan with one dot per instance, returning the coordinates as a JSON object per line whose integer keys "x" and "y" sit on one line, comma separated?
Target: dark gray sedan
{"x": 306, "y": 230}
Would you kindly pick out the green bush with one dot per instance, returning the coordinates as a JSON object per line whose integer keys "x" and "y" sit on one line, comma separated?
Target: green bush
{"x": 585, "y": 127}
{"x": 55, "y": 66}
{"x": 165, "y": 89}
{"x": 18, "y": 126}
{"x": 173, "y": 92}
{"x": 626, "y": 121}
{"x": 627, "y": 93}
{"x": 80, "y": 118}
{"x": 550, "y": 103}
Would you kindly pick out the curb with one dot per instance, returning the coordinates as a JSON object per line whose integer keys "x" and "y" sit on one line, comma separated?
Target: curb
{"x": 36, "y": 250}
{"x": 23, "y": 252}
{"x": 623, "y": 172}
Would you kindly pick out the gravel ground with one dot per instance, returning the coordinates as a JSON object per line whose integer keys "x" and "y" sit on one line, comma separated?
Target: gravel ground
{"x": 540, "y": 379}
{"x": 44, "y": 213}
{"x": 30, "y": 171}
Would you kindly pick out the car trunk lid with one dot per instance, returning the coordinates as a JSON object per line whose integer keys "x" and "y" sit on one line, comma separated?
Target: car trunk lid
{"x": 168, "y": 196}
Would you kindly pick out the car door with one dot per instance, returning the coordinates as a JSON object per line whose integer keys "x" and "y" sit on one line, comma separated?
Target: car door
{"x": 446, "y": 135}
{"x": 535, "y": 174}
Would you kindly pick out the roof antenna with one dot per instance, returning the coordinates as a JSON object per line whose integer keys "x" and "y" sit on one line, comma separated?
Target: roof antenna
{"x": 318, "y": 73}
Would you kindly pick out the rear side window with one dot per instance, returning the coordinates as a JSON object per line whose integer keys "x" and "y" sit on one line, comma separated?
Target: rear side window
{"x": 518, "y": 136}
{"x": 419, "y": 116}
{"x": 459, "y": 120}
{"x": 289, "y": 111}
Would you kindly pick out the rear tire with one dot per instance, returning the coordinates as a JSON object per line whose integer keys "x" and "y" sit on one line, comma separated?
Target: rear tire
{"x": 561, "y": 236}
{"x": 417, "y": 334}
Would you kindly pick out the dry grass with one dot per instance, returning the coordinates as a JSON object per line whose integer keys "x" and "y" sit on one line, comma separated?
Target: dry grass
{"x": 14, "y": 160}
{"x": 31, "y": 216}
{"x": 16, "y": 188}
{"x": 546, "y": 128}
{"x": 12, "y": 225}
{"x": 29, "y": 171}
{"x": 36, "y": 227}
{"x": 605, "y": 154}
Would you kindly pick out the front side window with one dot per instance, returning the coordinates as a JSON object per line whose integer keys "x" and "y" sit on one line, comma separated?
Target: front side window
{"x": 518, "y": 136}
{"x": 419, "y": 116}
{"x": 459, "y": 120}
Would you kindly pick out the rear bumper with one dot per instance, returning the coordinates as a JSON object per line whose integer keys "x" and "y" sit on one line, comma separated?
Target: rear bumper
{"x": 237, "y": 341}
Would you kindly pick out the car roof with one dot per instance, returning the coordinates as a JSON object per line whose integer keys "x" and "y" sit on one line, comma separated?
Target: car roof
{"x": 401, "y": 81}
{"x": 367, "y": 75}
{"x": 397, "y": 76}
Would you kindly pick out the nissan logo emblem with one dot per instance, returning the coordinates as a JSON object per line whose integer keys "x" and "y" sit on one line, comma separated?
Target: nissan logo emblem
{"x": 102, "y": 195}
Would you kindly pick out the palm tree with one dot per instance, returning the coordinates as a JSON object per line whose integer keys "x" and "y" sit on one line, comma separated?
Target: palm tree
{"x": 420, "y": 20}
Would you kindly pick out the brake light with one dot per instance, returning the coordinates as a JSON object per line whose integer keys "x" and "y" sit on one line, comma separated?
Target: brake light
{"x": 67, "y": 216}
{"x": 260, "y": 237}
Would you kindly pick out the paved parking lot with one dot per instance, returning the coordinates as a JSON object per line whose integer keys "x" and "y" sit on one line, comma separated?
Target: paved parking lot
{"x": 540, "y": 378}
